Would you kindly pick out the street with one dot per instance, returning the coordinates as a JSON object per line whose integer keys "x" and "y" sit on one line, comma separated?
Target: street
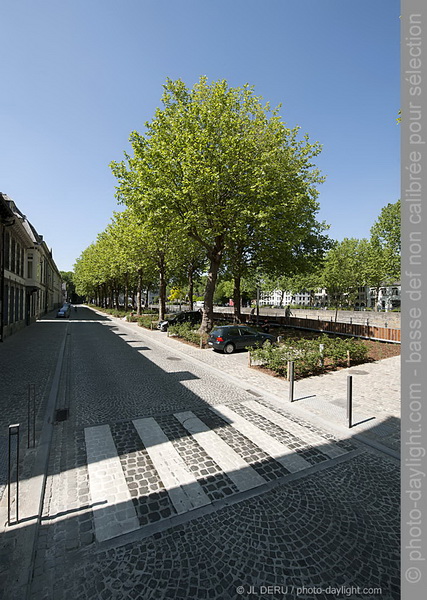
{"x": 167, "y": 479}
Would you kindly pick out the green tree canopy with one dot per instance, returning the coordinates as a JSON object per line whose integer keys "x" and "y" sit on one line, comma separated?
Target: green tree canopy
{"x": 224, "y": 169}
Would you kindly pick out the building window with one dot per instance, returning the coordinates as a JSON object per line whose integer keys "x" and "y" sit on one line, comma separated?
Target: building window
{"x": 21, "y": 304}
{"x": 7, "y": 251}
{"x": 16, "y": 304}
{"x": 6, "y": 304}
{"x": 12, "y": 255}
{"x": 18, "y": 258}
{"x": 12, "y": 305}
{"x": 30, "y": 267}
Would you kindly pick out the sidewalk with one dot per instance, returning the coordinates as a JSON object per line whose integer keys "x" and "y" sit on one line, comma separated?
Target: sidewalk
{"x": 321, "y": 399}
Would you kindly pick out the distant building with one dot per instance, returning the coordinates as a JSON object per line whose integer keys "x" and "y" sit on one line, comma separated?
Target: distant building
{"x": 30, "y": 283}
{"x": 389, "y": 298}
{"x": 303, "y": 298}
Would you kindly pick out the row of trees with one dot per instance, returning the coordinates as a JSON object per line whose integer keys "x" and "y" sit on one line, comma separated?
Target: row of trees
{"x": 354, "y": 263}
{"x": 217, "y": 187}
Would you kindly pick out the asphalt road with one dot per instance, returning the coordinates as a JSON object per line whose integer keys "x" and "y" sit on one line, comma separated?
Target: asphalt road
{"x": 165, "y": 480}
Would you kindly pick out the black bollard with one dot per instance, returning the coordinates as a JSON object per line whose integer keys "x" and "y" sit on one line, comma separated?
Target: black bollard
{"x": 13, "y": 431}
{"x": 291, "y": 380}
{"x": 350, "y": 400}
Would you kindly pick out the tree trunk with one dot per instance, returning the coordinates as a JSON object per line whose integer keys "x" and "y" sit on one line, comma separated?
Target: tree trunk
{"x": 139, "y": 293}
{"x": 237, "y": 299}
{"x": 162, "y": 288}
{"x": 162, "y": 296}
{"x": 190, "y": 287}
{"x": 215, "y": 257}
{"x": 126, "y": 292}
{"x": 104, "y": 303}
{"x": 116, "y": 296}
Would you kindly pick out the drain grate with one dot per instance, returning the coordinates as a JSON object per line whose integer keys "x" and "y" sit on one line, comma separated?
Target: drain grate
{"x": 172, "y": 358}
{"x": 61, "y": 414}
{"x": 254, "y": 393}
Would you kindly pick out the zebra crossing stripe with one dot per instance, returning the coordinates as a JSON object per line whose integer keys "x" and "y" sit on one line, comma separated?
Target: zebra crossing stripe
{"x": 108, "y": 488}
{"x": 312, "y": 438}
{"x": 236, "y": 468}
{"x": 183, "y": 488}
{"x": 284, "y": 455}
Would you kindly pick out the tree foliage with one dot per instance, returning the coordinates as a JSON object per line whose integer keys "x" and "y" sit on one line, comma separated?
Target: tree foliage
{"x": 222, "y": 168}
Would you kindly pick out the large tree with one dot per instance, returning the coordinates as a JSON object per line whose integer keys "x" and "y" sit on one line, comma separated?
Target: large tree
{"x": 344, "y": 271}
{"x": 386, "y": 234}
{"x": 223, "y": 167}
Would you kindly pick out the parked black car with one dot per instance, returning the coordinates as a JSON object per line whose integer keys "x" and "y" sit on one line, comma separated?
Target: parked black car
{"x": 188, "y": 316}
{"x": 229, "y": 338}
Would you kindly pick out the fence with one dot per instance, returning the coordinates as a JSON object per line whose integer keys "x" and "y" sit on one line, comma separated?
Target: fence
{"x": 371, "y": 332}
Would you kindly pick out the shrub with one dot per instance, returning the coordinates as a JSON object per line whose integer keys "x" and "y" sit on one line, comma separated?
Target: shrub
{"x": 307, "y": 356}
{"x": 145, "y": 321}
{"x": 186, "y": 331}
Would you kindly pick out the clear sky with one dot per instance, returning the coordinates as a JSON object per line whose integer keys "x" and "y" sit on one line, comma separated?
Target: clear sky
{"x": 77, "y": 76}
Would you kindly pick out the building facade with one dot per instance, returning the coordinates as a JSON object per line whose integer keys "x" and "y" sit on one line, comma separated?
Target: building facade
{"x": 30, "y": 283}
{"x": 389, "y": 298}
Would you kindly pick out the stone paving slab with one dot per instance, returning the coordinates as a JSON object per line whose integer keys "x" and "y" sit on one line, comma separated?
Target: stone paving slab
{"x": 116, "y": 514}
{"x": 179, "y": 468}
{"x": 183, "y": 488}
{"x": 283, "y": 454}
{"x": 295, "y": 429}
{"x": 243, "y": 476}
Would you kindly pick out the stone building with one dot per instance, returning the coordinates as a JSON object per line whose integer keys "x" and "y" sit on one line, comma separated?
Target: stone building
{"x": 30, "y": 283}
{"x": 389, "y": 297}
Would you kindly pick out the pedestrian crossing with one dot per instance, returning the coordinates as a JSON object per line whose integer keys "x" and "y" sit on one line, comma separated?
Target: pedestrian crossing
{"x": 152, "y": 469}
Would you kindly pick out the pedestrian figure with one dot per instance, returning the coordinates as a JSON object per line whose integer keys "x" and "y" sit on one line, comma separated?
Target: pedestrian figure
{"x": 288, "y": 311}
{"x": 253, "y": 310}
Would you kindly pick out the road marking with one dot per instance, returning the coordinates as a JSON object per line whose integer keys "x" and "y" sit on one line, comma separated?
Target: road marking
{"x": 284, "y": 455}
{"x": 183, "y": 488}
{"x": 108, "y": 486}
{"x": 235, "y": 467}
{"x": 310, "y": 437}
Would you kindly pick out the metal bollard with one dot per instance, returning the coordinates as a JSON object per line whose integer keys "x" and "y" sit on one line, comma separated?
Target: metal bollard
{"x": 13, "y": 431}
{"x": 350, "y": 400}
{"x": 31, "y": 407}
{"x": 321, "y": 352}
{"x": 291, "y": 380}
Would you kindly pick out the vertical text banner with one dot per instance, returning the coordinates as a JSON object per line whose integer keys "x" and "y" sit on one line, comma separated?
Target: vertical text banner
{"x": 414, "y": 295}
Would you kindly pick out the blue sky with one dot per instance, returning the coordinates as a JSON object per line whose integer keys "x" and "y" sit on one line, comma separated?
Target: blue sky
{"x": 79, "y": 75}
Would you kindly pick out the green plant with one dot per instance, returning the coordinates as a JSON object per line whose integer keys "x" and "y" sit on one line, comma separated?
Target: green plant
{"x": 186, "y": 331}
{"x": 146, "y": 321}
{"x": 308, "y": 355}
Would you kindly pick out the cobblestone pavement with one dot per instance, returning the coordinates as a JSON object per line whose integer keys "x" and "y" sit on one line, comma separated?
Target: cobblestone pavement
{"x": 27, "y": 357}
{"x": 376, "y": 390}
{"x": 169, "y": 481}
